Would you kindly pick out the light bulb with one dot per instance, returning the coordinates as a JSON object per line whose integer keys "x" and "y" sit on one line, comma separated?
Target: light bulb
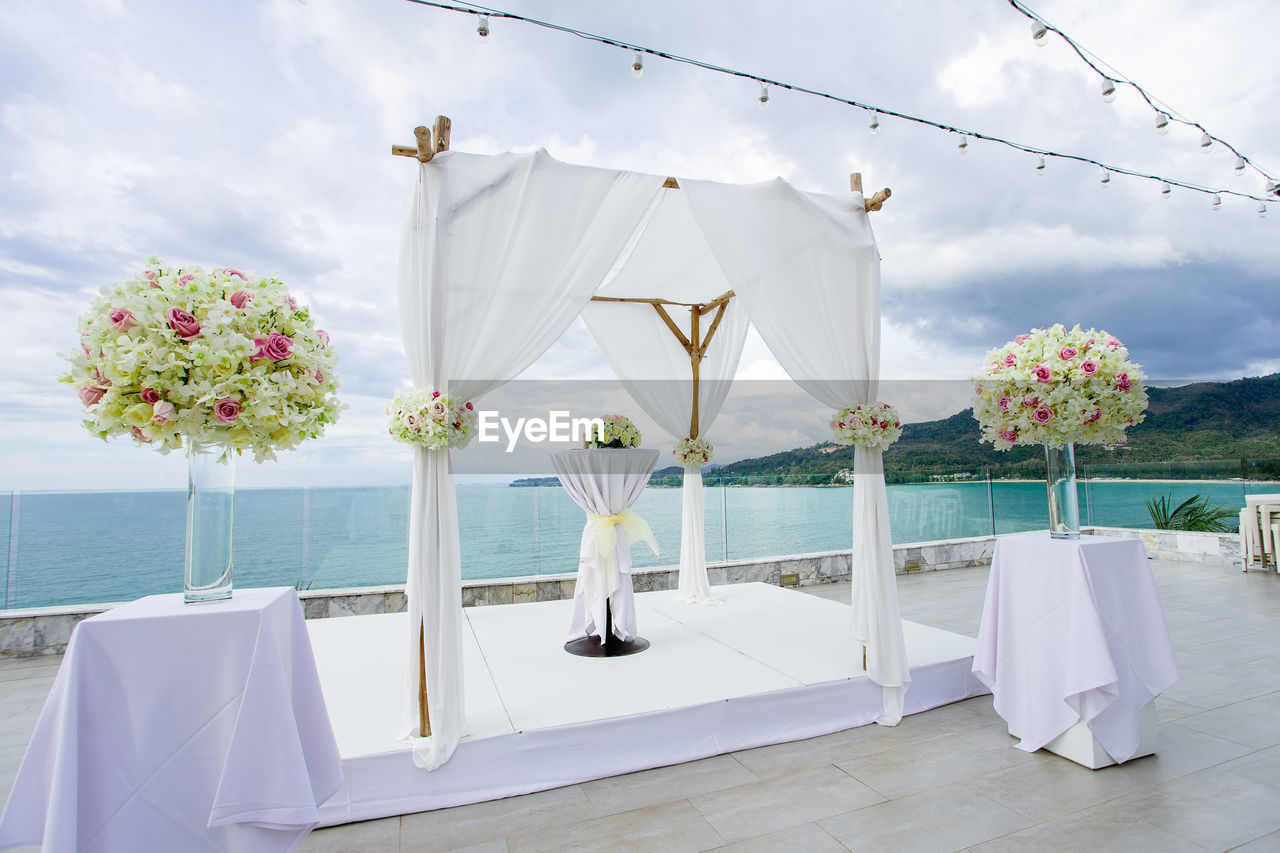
{"x": 1106, "y": 178}
{"x": 1162, "y": 122}
{"x": 874, "y": 126}
{"x": 1240, "y": 164}
{"x": 1040, "y": 33}
{"x": 1217, "y": 202}
{"x": 1108, "y": 89}
{"x": 1039, "y": 165}
{"x": 1206, "y": 142}
{"x": 1262, "y": 210}
{"x": 1165, "y": 190}
{"x": 1273, "y": 188}
{"x": 964, "y": 144}
{"x": 764, "y": 95}
{"x": 637, "y": 65}
{"x": 482, "y": 26}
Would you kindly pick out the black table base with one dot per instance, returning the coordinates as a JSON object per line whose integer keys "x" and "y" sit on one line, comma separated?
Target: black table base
{"x": 612, "y": 647}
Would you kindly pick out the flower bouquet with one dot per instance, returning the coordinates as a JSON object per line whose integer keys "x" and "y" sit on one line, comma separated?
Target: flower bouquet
{"x": 431, "y": 420}
{"x": 218, "y": 360}
{"x": 875, "y": 425}
{"x": 618, "y": 431}
{"x": 693, "y": 452}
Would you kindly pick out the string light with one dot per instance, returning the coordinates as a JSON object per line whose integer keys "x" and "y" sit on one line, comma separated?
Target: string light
{"x": 1162, "y": 122}
{"x": 964, "y": 144}
{"x": 875, "y": 111}
{"x": 1108, "y": 89}
{"x": 1106, "y": 178}
{"x": 1206, "y": 142}
{"x": 1262, "y": 210}
{"x": 1165, "y": 190}
{"x": 1039, "y": 32}
{"x": 1217, "y": 202}
{"x": 764, "y": 95}
{"x": 637, "y": 65}
{"x": 1094, "y": 62}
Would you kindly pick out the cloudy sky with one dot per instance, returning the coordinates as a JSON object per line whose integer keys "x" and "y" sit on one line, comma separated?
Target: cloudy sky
{"x": 257, "y": 135}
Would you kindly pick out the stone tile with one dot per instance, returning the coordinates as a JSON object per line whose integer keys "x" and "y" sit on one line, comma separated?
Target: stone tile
{"x": 940, "y": 819}
{"x": 1179, "y": 751}
{"x": 1269, "y": 843}
{"x": 315, "y": 608}
{"x": 808, "y": 837}
{"x": 664, "y": 784}
{"x": 370, "y": 836}
{"x": 926, "y": 764}
{"x": 1253, "y": 722}
{"x": 1209, "y": 690}
{"x": 17, "y": 636}
{"x": 1262, "y": 767}
{"x": 342, "y": 605}
{"x": 396, "y": 602}
{"x": 549, "y": 590}
{"x": 1097, "y": 829}
{"x": 486, "y": 847}
{"x": 1050, "y": 786}
{"x": 785, "y": 801}
{"x": 524, "y": 592}
{"x": 446, "y": 829}
{"x": 1214, "y": 808}
{"x": 666, "y": 828}
{"x": 786, "y": 758}
{"x": 367, "y": 605}
{"x": 566, "y": 589}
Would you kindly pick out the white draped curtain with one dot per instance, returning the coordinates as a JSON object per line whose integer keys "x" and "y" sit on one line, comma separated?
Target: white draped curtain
{"x": 807, "y": 271}
{"x": 498, "y": 255}
{"x": 669, "y": 259}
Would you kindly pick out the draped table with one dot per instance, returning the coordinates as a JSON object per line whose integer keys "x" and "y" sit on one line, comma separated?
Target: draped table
{"x": 180, "y": 727}
{"x": 606, "y": 482}
{"x": 1074, "y": 646}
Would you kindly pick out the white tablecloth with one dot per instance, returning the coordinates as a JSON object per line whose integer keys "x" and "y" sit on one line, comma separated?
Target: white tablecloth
{"x": 180, "y": 728}
{"x": 604, "y": 482}
{"x": 1073, "y": 630}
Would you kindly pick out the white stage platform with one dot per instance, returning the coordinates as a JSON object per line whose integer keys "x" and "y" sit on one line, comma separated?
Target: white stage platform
{"x": 769, "y": 666}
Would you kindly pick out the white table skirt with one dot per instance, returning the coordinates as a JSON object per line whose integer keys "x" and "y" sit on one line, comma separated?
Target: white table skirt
{"x": 1072, "y": 630}
{"x": 604, "y": 482}
{"x": 180, "y": 727}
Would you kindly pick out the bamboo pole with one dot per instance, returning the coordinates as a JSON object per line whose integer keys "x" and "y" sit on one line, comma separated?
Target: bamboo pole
{"x": 695, "y": 360}
{"x": 424, "y": 717}
{"x": 876, "y": 201}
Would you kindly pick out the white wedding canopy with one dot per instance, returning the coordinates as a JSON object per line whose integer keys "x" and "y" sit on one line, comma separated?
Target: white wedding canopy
{"x": 499, "y": 254}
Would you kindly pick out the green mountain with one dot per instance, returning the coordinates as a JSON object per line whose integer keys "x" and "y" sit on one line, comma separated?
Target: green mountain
{"x": 1207, "y": 429}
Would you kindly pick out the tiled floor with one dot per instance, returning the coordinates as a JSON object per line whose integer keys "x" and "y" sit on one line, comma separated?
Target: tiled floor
{"x": 948, "y": 779}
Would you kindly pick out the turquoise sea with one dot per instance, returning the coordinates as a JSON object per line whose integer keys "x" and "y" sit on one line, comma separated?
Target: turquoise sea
{"x": 90, "y": 547}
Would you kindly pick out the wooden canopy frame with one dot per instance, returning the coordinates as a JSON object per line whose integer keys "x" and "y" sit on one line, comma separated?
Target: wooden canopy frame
{"x": 431, "y": 142}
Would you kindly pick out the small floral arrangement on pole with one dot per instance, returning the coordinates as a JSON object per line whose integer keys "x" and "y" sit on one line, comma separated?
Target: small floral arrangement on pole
{"x": 618, "y": 431}
{"x": 693, "y": 452}
{"x": 875, "y": 425}
{"x": 221, "y": 358}
{"x": 1053, "y": 386}
{"x": 431, "y": 419}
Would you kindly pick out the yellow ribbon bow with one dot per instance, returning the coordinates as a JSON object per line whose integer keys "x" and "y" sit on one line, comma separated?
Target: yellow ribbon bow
{"x": 604, "y": 537}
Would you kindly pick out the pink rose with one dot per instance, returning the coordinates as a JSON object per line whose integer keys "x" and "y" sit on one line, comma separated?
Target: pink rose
{"x": 138, "y": 435}
{"x": 184, "y": 323}
{"x": 1008, "y": 434}
{"x": 1021, "y": 339}
{"x": 1088, "y": 343}
{"x": 323, "y": 337}
{"x": 186, "y": 278}
{"x": 977, "y": 389}
{"x": 1095, "y": 417}
{"x": 161, "y": 411}
{"x": 1042, "y": 415}
{"x": 240, "y": 298}
{"x": 121, "y": 318}
{"x": 435, "y": 394}
{"x": 1030, "y": 400}
{"x": 278, "y": 347}
{"x": 1010, "y": 360}
{"x": 149, "y": 275}
{"x": 91, "y": 394}
{"x": 227, "y": 409}
{"x": 897, "y": 424}
{"x": 150, "y": 395}
{"x": 100, "y": 380}
{"x": 1004, "y": 403}
{"x": 228, "y": 271}
{"x": 290, "y": 302}
{"x": 1042, "y": 373}
{"x": 469, "y": 406}
{"x": 1088, "y": 367}
{"x": 1068, "y": 353}
{"x": 1113, "y": 343}
{"x": 319, "y": 377}
{"x": 261, "y": 352}
{"x": 1123, "y": 383}
{"x": 457, "y": 424}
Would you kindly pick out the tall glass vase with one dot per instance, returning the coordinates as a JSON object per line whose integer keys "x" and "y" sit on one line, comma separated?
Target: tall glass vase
{"x": 211, "y": 490}
{"x": 1064, "y": 504}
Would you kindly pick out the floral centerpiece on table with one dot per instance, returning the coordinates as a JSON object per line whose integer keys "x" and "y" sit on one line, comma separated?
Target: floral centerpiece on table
{"x": 693, "y": 452}
{"x": 1054, "y": 386}
{"x": 218, "y": 357}
{"x": 875, "y": 425}
{"x": 431, "y": 419}
{"x": 618, "y": 431}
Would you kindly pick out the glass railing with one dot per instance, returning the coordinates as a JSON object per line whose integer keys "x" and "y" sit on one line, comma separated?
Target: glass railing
{"x": 59, "y": 548}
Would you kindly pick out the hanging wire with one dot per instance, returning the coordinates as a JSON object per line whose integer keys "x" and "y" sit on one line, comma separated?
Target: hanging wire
{"x": 1115, "y": 77}
{"x": 478, "y": 10}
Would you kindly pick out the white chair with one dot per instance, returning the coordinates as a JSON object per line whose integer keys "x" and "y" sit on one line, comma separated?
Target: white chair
{"x": 1248, "y": 535}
